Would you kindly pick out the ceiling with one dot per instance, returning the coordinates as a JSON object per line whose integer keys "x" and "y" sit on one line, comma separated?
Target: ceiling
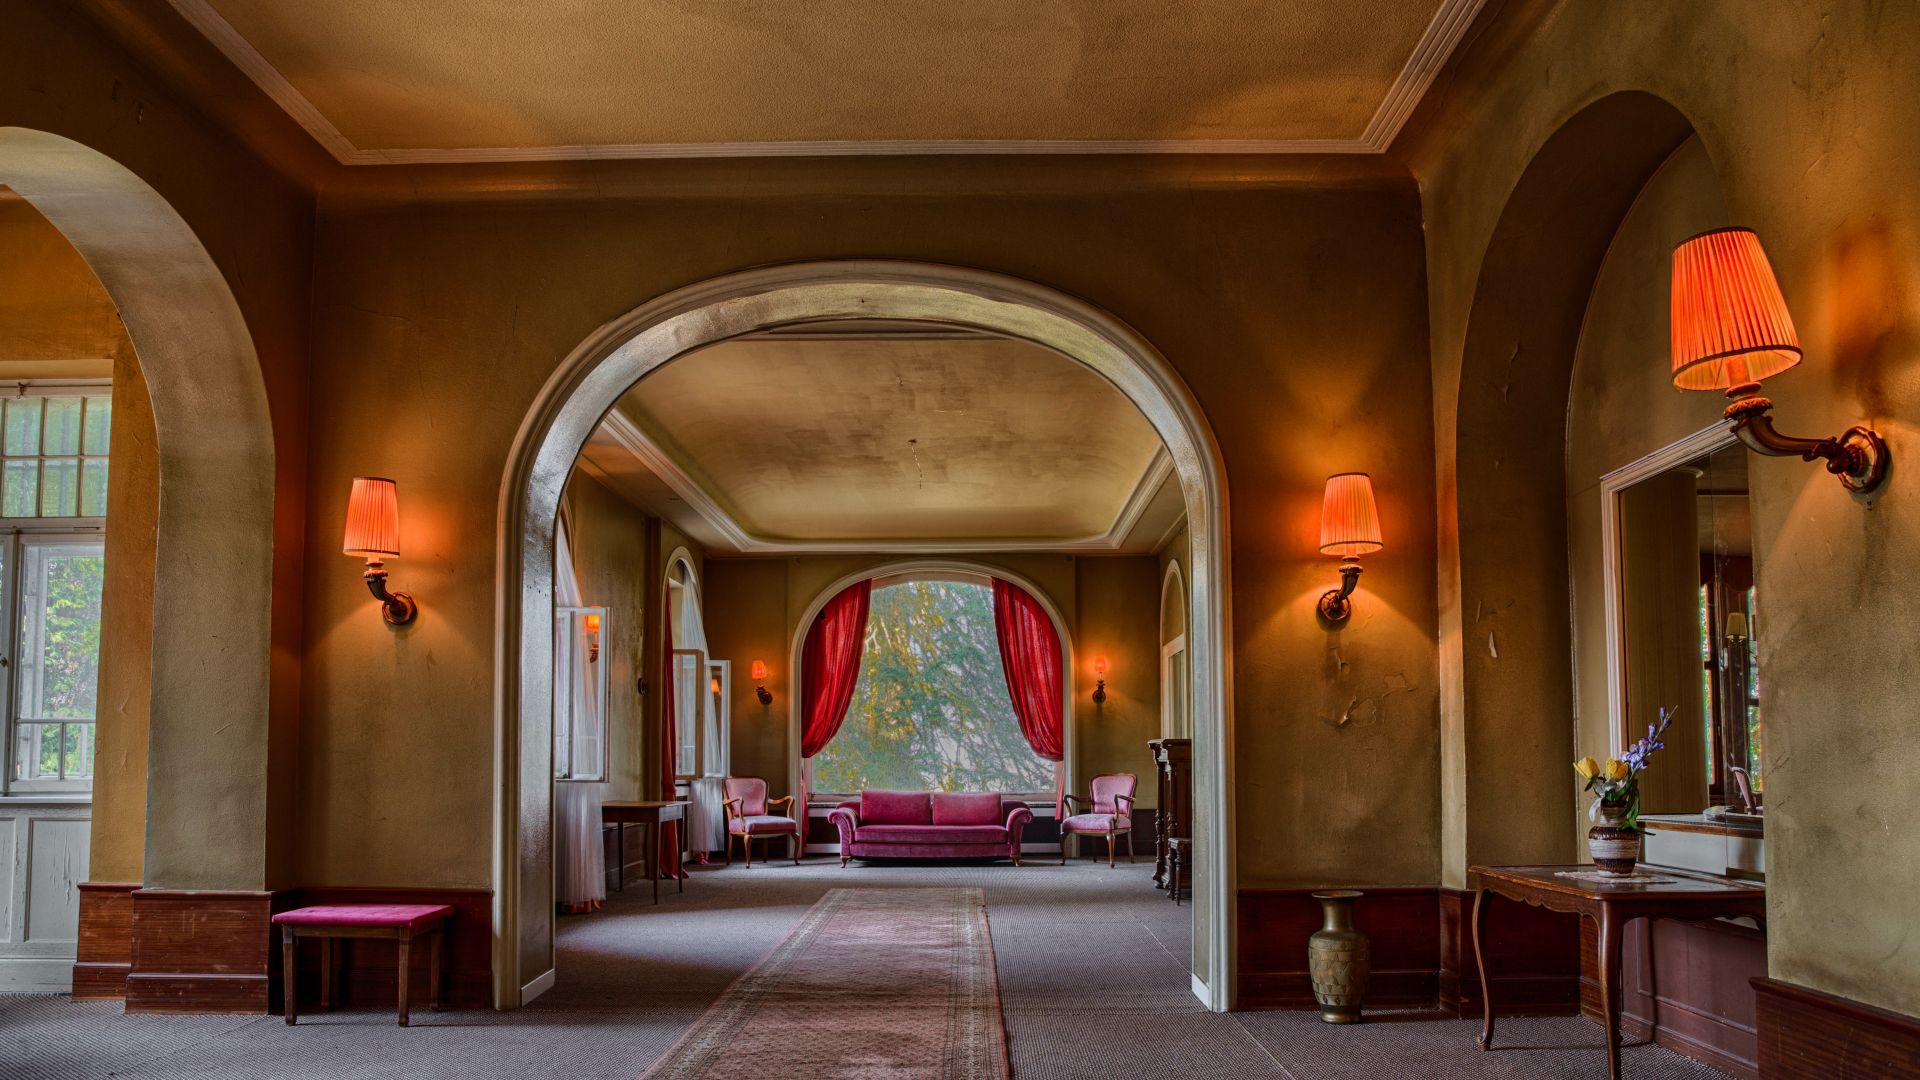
{"x": 867, "y": 438}
{"x": 376, "y": 81}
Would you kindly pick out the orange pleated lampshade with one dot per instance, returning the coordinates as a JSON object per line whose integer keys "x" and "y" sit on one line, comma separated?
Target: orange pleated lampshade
{"x": 373, "y": 518}
{"x": 1730, "y": 323}
{"x": 1349, "y": 520}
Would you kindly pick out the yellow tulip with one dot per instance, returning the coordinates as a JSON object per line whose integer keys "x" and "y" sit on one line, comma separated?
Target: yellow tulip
{"x": 1616, "y": 769}
{"x": 1586, "y": 767}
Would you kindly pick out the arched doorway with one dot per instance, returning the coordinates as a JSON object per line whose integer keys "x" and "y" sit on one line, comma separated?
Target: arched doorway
{"x": 206, "y": 814}
{"x": 1176, "y": 716}
{"x": 618, "y": 354}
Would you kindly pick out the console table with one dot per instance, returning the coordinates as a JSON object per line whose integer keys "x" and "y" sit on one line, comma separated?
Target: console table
{"x": 1655, "y": 892}
{"x": 652, "y": 815}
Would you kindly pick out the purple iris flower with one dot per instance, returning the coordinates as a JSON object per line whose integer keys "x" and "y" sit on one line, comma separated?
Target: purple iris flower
{"x": 1637, "y": 754}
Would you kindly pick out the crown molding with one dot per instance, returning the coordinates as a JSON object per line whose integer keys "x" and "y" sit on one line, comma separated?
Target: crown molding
{"x": 623, "y": 432}
{"x": 1442, "y": 35}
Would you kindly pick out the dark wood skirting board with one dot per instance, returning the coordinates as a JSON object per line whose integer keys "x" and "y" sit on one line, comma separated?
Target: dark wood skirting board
{"x": 369, "y": 970}
{"x": 200, "y": 951}
{"x": 105, "y": 953}
{"x": 1809, "y": 1035}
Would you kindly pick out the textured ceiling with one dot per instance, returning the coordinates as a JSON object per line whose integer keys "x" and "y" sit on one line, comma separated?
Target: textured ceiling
{"x": 498, "y": 79}
{"x": 849, "y": 442}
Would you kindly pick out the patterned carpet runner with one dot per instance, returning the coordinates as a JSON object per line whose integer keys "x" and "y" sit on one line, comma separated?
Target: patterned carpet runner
{"x": 874, "y": 984}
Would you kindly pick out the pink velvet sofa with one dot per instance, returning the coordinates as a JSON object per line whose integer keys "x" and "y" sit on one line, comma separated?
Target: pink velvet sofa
{"x": 930, "y": 825}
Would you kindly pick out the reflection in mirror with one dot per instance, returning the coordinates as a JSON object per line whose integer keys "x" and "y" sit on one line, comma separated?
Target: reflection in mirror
{"x": 1689, "y": 634}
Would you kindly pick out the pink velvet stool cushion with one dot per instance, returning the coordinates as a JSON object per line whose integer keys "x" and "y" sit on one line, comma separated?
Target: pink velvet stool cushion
{"x": 966, "y": 808}
{"x": 398, "y": 916}
{"x": 894, "y": 808}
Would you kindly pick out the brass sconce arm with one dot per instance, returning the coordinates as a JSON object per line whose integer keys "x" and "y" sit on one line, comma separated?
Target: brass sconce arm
{"x": 1858, "y": 457}
{"x": 1335, "y": 606}
{"x": 765, "y": 695}
{"x": 397, "y": 608}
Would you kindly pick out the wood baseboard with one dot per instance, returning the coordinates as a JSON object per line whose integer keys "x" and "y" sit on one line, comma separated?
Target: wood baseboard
{"x": 200, "y": 951}
{"x": 104, "y": 956}
{"x": 1809, "y": 1035}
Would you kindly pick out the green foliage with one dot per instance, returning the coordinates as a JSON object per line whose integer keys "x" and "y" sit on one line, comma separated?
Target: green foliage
{"x": 931, "y": 709}
{"x": 69, "y": 659}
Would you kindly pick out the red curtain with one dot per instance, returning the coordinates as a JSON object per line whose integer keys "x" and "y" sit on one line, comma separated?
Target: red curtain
{"x": 1030, "y": 653}
{"x": 669, "y": 752}
{"x": 829, "y": 668}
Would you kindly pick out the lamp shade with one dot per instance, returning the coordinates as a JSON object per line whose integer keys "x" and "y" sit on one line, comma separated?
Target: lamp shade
{"x": 593, "y": 624}
{"x": 1730, "y": 323}
{"x": 373, "y": 518}
{"x": 1349, "y": 521}
{"x": 1100, "y": 666}
{"x": 760, "y": 671}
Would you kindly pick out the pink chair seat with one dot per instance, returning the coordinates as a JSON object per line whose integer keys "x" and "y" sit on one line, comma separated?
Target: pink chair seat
{"x": 399, "y": 916}
{"x": 1096, "y": 823}
{"x": 764, "y": 825}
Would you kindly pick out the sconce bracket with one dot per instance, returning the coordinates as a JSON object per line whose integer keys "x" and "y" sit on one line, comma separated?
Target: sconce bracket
{"x": 397, "y": 608}
{"x": 1858, "y": 457}
{"x": 1336, "y": 605}
{"x": 765, "y": 695}
{"x": 1100, "y": 692}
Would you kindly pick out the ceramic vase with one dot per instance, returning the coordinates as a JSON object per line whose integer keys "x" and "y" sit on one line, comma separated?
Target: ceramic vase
{"x": 1338, "y": 959}
{"x": 1613, "y": 846}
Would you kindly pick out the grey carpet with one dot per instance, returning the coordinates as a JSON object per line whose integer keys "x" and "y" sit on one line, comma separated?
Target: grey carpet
{"x": 1093, "y": 975}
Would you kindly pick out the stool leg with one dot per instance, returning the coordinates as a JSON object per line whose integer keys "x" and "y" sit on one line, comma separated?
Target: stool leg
{"x": 406, "y": 963}
{"x": 433, "y": 969}
{"x": 326, "y": 971}
{"x": 288, "y": 984}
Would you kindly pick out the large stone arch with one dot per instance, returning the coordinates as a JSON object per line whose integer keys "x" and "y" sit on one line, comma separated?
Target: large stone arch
{"x": 619, "y": 353}
{"x": 1507, "y": 692}
{"x": 207, "y": 808}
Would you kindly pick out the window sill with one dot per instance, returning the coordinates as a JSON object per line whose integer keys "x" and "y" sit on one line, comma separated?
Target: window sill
{"x": 45, "y": 798}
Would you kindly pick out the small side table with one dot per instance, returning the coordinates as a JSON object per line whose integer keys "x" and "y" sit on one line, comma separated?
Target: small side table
{"x": 652, "y": 814}
{"x": 331, "y": 922}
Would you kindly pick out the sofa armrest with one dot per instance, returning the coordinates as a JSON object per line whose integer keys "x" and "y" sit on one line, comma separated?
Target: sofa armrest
{"x": 845, "y": 819}
{"x": 1017, "y": 820}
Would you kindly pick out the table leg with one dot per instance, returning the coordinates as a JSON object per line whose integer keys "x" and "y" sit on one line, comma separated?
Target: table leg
{"x": 620, "y": 856}
{"x": 680, "y": 879}
{"x": 653, "y": 857}
{"x": 1480, "y": 962}
{"x": 406, "y": 964}
{"x": 289, "y": 986}
{"x": 1610, "y": 988}
{"x": 433, "y": 969}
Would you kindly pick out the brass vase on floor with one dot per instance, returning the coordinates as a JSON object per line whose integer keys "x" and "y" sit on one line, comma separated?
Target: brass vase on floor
{"x": 1338, "y": 959}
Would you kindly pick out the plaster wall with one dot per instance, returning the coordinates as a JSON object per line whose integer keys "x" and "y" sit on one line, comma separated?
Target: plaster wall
{"x": 609, "y": 538}
{"x": 1292, "y": 294}
{"x": 67, "y": 76}
{"x": 1808, "y": 114}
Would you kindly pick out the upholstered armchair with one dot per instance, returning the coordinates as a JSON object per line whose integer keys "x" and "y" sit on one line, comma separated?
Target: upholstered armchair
{"x": 750, "y": 817}
{"x": 1109, "y": 813}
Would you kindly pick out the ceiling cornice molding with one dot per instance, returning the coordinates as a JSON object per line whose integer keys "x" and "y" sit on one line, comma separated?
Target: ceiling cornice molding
{"x": 628, "y": 436}
{"x": 1449, "y": 25}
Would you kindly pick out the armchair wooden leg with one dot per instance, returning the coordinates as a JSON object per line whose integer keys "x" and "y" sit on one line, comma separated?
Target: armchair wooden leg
{"x": 1063, "y": 847}
{"x": 1111, "y": 845}
{"x": 729, "y": 847}
{"x": 798, "y": 848}
{"x": 1129, "y": 845}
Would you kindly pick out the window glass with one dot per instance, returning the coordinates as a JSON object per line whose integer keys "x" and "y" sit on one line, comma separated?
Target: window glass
{"x": 931, "y": 709}
{"x": 56, "y": 658}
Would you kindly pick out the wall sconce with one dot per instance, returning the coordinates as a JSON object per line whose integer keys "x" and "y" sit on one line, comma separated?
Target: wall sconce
{"x": 593, "y": 638}
{"x": 1100, "y": 673}
{"x": 1349, "y": 528}
{"x": 1730, "y": 330}
{"x": 760, "y": 683}
{"x": 373, "y": 530}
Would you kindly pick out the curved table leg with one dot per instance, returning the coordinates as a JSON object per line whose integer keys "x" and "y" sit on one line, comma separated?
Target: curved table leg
{"x": 1480, "y": 961}
{"x": 1609, "y": 987}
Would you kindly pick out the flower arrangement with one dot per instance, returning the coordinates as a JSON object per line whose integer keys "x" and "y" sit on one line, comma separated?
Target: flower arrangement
{"x": 1617, "y": 783}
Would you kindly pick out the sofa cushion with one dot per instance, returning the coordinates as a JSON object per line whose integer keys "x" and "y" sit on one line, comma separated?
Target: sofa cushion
{"x": 931, "y": 834}
{"x": 967, "y": 808}
{"x": 895, "y": 808}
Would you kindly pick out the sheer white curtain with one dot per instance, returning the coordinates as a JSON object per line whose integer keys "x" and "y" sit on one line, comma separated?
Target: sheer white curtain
{"x": 581, "y": 870}
{"x": 706, "y": 804}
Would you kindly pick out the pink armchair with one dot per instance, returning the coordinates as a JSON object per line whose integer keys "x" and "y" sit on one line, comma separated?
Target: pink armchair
{"x": 930, "y": 825}
{"x": 750, "y": 817}
{"x": 1111, "y": 815}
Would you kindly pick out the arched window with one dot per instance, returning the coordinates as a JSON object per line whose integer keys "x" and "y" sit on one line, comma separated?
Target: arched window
{"x": 931, "y": 709}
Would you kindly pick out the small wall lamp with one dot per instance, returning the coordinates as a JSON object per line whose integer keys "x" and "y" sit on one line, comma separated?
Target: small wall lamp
{"x": 373, "y": 530}
{"x": 1100, "y": 687}
{"x": 1349, "y": 528}
{"x": 593, "y": 637}
{"x": 1730, "y": 330}
{"x": 760, "y": 683}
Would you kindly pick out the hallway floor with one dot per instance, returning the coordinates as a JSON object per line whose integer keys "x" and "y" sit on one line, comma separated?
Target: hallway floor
{"x": 1092, "y": 973}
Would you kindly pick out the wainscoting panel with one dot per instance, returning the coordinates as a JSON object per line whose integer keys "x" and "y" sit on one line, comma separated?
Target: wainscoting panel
{"x": 370, "y": 969}
{"x": 1686, "y": 988}
{"x": 106, "y": 940}
{"x": 200, "y": 951}
{"x": 1532, "y": 953}
{"x": 43, "y": 857}
{"x": 1402, "y": 924}
{"x": 1807, "y": 1035}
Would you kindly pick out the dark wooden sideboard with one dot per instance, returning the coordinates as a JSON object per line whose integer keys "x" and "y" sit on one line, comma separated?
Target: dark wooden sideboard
{"x": 1173, "y": 766}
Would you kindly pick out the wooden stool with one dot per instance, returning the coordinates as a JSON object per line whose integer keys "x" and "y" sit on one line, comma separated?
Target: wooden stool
{"x": 391, "y": 922}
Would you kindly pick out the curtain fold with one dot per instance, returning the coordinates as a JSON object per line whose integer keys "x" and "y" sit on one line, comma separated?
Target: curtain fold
{"x": 1031, "y": 655}
{"x": 581, "y": 880}
{"x": 669, "y": 749}
{"x": 829, "y": 670}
